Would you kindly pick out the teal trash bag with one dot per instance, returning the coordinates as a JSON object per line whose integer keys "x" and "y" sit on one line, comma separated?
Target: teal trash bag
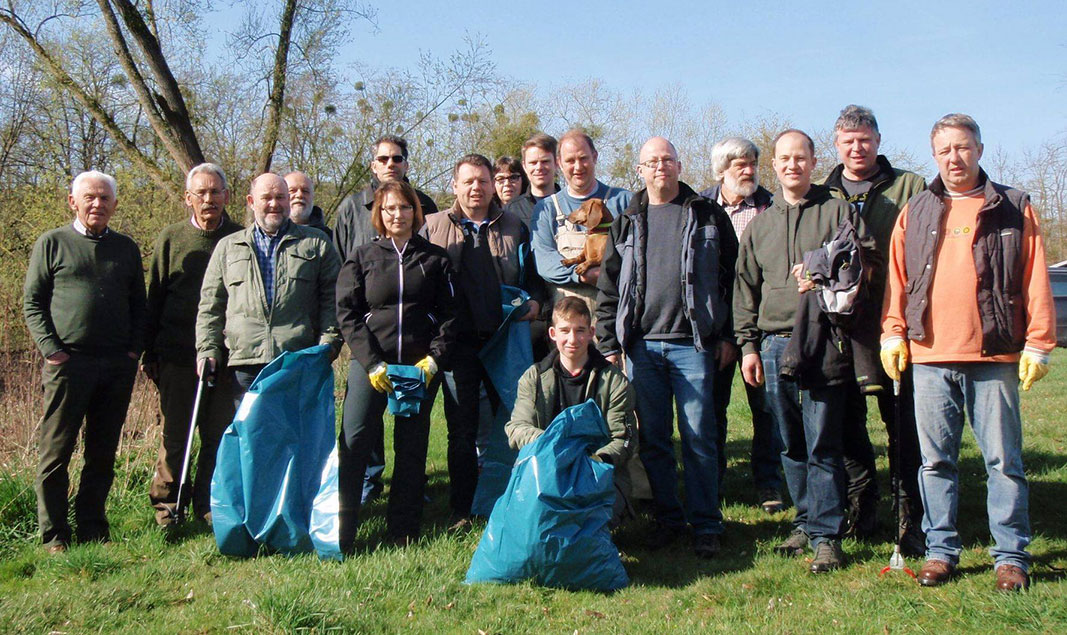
{"x": 506, "y": 356}
{"x": 272, "y": 464}
{"x": 551, "y": 524}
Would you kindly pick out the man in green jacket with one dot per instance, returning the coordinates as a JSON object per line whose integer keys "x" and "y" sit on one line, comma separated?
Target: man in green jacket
{"x": 878, "y": 191}
{"x": 179, "y": 260}
{"x": 84, "y": 303}
{"x": 568, "y": 376}
{"x": 267, "y": 289}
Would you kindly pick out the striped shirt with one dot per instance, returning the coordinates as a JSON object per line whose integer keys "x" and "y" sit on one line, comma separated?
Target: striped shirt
{"x": 741, "y": 214}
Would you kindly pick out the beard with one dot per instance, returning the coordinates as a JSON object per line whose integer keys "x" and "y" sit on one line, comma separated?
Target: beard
{"x": 743, "y": 189}
{"x": 270, "y": 223}
{"x": 300, "y": 213}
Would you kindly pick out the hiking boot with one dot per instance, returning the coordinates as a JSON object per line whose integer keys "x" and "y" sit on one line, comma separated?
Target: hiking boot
{"x": 660, "y": 536}
{"x": 706, "y": 545}
{"x": 771, "y": 500}
{"x": 828, "y": 556}
{"x": 794, "y": 545}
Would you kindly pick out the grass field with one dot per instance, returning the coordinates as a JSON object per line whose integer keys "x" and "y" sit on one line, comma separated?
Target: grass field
{"x": 148, "y": 581}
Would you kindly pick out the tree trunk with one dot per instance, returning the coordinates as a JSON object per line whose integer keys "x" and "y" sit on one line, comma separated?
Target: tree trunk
{"x": 277, "y": 93}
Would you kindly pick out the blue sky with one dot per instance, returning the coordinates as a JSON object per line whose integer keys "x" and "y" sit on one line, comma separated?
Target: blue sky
{"x": 1005, "y": 63}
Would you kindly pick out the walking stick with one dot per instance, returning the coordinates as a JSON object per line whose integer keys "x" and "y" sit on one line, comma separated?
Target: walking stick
{"x": 203, "y": 382}
{"x": 896, "y": 561}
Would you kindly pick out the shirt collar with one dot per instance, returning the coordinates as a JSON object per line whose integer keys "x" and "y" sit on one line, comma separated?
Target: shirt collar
{"x": 84, "y": 231}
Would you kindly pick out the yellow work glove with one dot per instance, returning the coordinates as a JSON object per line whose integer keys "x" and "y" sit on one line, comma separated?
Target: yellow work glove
{"x": 428, "y": 366}
{"x": 894, "y": 357}
{"x": 1032, "y": 367}
{"x": 379, "y": 378}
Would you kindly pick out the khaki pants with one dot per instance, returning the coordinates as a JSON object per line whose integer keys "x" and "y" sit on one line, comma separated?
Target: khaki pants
{"x": 177, "y": 392}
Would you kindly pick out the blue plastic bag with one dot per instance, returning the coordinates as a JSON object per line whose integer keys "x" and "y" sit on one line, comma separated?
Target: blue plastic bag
{"x": 551, "y": 524}
{"x": 506, "y": 356}
{"x": 272, "y": 460}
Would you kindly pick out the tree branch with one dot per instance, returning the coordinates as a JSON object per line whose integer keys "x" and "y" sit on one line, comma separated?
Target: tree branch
{"x": 276, "y": 100}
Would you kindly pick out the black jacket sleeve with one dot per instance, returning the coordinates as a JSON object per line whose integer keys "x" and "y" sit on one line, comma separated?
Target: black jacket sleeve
{"x": 446, "y": 308}
{"x": 728, "y": 247}
{"x": 607, "y": 302}
{"x": 351, "y": 307}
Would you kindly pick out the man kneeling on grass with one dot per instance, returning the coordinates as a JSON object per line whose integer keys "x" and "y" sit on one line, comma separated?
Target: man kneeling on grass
{"x": 572, "y": 374}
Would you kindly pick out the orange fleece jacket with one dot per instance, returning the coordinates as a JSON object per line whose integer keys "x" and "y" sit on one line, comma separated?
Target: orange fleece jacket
{"x": 953, "y": 325}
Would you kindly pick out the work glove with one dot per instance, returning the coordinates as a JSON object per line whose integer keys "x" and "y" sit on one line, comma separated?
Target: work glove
{"x": 894, "y": 356}
{"x": 379, "y": 378}
{"x": 1032, "y": 367}
{"x": 428, "y": 366}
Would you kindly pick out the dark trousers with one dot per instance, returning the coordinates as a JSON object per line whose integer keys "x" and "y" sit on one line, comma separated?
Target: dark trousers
{"x": 462, "y": 387}
{"x": 95, "y": 389}
{"x": 766, "y": 453}
{"x": 177, "y": 393}
{"x": 241, "y": 378}
{"x": 362, "y": 428}
{"x": 811, "y": 423}
{"x": 859, "y": 453}
{"x": 907, "y": 469}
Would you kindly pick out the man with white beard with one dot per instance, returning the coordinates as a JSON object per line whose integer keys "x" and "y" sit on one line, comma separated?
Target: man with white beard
{"x": 735, "y": 164}
{"x": 302, "y": 207}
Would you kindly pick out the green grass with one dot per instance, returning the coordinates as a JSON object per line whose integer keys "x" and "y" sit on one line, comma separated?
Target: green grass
{"x": 147, "y": 581}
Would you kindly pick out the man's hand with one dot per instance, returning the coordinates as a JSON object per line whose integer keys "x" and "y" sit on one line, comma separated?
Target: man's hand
{"x": 207, "y": 367}
{"x": 803, "y": 282}
{"x": 533, "y": 311}
{"x": 151, "y": 370}
{"x": 1031, "y": 369}
{"x": 57, "y": 358}
{"x": 752, "y": 369}
{"x": 726, "y": 353}
{"x": 590, "y": 276}
{"x": 894, "y": 355}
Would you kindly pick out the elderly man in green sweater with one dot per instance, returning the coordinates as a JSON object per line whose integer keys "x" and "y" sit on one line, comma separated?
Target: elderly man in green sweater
{"x": 84, "y": 302}
{"x": 179, "y": 260}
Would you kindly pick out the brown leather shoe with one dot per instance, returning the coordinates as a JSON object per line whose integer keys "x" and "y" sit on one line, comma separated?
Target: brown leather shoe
{"x": 1012, "y": 578}
{"x": 56, "y": 548}
{"x": 935, "y": 572}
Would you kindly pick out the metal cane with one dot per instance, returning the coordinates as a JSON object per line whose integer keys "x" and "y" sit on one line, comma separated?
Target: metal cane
{"x": 896, "y": 561}
{"x": 202, "y": 383}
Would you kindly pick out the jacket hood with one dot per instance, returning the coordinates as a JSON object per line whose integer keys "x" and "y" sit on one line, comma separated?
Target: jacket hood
{"x": 639, "y": 202}
{"x": 816, "y": 194}
{"x": 761, "y": 197}
{"x": 597, "y": 360}
{"x": 885, "y": 173}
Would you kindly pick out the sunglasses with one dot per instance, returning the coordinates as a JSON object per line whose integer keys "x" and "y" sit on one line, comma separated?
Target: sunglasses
{"x": 384, "y": 159}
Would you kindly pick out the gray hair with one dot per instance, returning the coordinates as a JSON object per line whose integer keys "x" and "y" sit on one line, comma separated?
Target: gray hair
{"x": 957, "y": 120}
{"x": 724, "y": 152}
{"x": 206, "y": 168}
{"x": 853, "y": 117}
{"x": 95, "y": 175}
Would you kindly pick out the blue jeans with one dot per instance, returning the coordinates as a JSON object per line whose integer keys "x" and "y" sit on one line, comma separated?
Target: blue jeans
{"x": 811, "y": 424}
{"x": 988, "y": 394}
{"x": 660, "y": 369}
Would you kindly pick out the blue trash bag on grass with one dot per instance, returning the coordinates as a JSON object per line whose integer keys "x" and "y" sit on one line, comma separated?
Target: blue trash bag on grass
{"x": 506, "y": 356}
{"x": 551, "y": 524}
{"x": 272, "y": 465}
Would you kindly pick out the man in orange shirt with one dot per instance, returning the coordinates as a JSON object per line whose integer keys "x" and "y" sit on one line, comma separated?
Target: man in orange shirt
{"x": 968, "y": 302}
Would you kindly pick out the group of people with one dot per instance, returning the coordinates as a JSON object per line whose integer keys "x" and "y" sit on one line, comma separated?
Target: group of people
{"x": 940, "y": 290}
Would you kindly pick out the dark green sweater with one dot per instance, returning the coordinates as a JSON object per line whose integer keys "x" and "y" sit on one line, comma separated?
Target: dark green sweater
{"x": 85, "y": 295}
{"x": 176, "y": 274}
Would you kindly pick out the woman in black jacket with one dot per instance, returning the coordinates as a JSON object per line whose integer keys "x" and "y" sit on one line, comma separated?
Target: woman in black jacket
{"x": 395, "y": 305}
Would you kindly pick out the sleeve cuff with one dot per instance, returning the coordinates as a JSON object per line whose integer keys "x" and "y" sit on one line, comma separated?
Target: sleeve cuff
{"x": 891, "y": 342}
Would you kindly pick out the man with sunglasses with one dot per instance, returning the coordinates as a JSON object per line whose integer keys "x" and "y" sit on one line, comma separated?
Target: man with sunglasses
{"x": 353, "y": 228}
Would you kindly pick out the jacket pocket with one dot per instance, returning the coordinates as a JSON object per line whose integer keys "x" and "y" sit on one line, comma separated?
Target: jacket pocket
{"x": 301, "y": 266}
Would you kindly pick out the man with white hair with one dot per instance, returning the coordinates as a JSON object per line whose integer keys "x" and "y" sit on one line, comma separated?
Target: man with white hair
{"x": 179, "y": 260}
{"x": 735, "y": 165}
{"x": 302, "y": 207}
{"x": 84, "y": 302}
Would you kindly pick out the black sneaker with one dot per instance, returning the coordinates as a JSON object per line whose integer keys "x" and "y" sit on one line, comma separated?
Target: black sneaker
{"x": 794, "y": 545}
{"x": 828, "y": 556}
{"x": 771, "y": 500}
{"x": 660, "y": 536}
{"x": 706, "y": 545}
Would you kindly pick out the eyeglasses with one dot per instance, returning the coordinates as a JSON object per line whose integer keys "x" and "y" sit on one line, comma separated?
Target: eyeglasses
{"x": 396, "y": 210}
{"x": 203, "y": 194}
{"x": 504, "y": 178}
{"x": 652, "y": 164}
{"x": 385, "y": 158}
